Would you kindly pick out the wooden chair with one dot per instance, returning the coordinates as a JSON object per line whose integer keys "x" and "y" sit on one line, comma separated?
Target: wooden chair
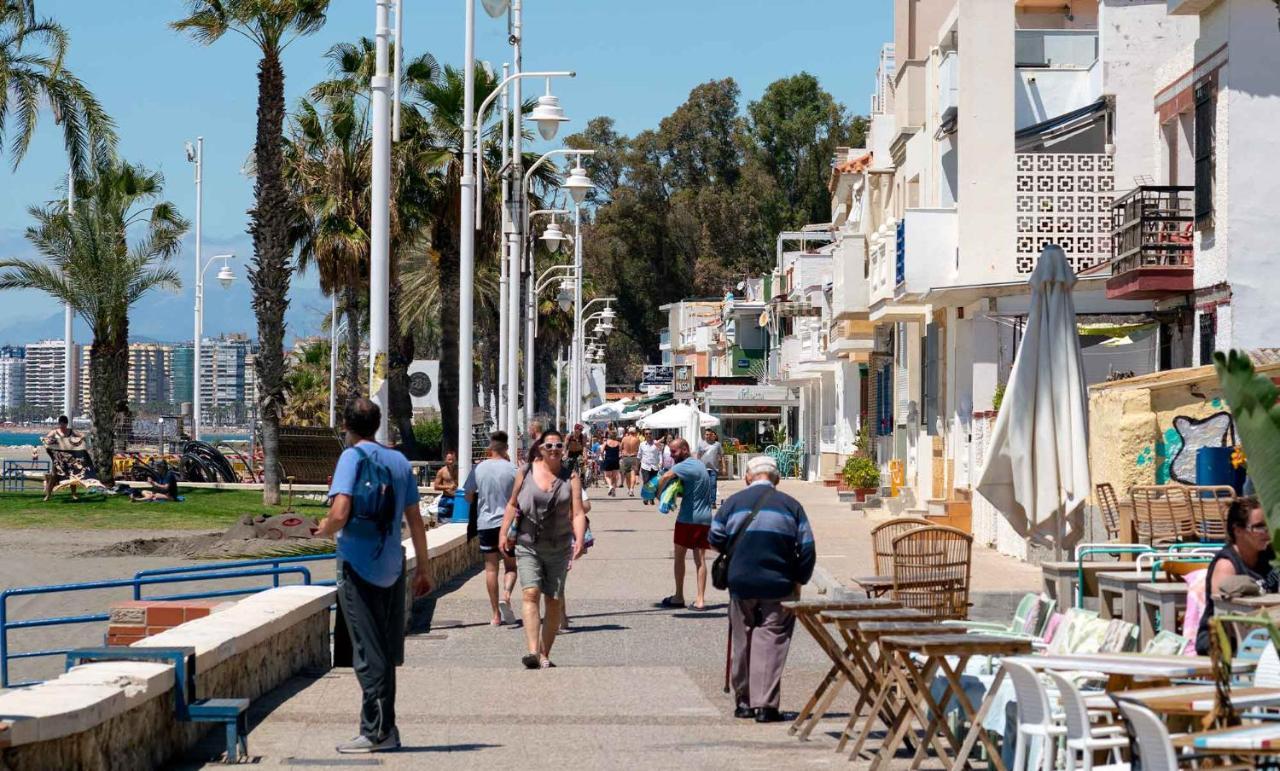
{"x": 1110, "y": 508}
{"x": 882, "y": 536}
{"x": 1209, "y": 504}
{"x": 931, "y": 571}
{"x": 1163, "y": 514}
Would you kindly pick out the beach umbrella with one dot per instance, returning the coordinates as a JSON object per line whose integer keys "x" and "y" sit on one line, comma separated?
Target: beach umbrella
{"x": 678, "y": 416}
{"x": 1037, "y": 467}
{"x": 607, "y": 411}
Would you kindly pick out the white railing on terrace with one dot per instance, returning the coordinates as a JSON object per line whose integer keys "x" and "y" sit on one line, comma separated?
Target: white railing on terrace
{"x": 948, "y": 82}
{"x": 1058, "y": 48}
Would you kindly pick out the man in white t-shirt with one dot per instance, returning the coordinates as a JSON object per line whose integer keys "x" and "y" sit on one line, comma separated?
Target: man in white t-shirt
{"x": 709, "y": 454}
{"x": 488, "y": 489}
{"x": 650, "y": 461}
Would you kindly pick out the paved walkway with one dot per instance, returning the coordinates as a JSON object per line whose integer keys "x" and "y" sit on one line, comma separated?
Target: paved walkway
{"x": 635, "y": 685}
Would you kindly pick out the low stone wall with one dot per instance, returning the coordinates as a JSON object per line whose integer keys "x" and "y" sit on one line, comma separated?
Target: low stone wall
{"x": 449, "y": 553}
{"x": 113, "y": 715}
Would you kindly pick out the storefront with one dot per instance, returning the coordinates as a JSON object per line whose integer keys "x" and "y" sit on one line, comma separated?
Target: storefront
{"x": 750, "y": 414}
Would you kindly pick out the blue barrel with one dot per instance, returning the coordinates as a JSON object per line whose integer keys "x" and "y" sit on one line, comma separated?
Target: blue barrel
{"x": 461, "y": 509}
{"x": 1213, "y": 467}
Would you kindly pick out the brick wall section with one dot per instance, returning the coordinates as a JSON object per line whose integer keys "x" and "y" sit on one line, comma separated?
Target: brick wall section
{"x": 132, "y": 620}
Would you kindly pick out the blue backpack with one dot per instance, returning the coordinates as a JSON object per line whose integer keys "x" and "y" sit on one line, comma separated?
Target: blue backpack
{"x": 373, "y": 500}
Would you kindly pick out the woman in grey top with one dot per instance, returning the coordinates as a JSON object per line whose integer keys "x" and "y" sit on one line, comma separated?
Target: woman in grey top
{"x": 546, "y": 526}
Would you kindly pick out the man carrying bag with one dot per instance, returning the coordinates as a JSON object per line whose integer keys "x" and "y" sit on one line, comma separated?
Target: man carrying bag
{"x": 767, "y": 554}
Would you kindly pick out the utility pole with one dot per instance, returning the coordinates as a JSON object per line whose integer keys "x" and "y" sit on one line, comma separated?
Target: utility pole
{"x": 68, "y": 316}
{"x": 515, "y": 238}
{"x": 380, "y": 216}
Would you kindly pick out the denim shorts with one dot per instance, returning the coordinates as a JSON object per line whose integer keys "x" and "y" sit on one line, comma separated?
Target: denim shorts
{"x": 544, "y": 568}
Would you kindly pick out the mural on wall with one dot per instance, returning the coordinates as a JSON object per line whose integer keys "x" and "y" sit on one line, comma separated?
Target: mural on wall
{"x": 1217, "y": 430}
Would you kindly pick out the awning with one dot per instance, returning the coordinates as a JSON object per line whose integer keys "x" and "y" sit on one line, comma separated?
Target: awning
{"x": 793, "y": 308}
{"x": 648, "y": 402}
{"x": 749, "y": 396}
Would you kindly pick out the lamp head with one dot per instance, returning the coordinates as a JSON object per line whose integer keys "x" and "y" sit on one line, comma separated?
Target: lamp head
{"x": 564, "y": 298}
{"x": 578, "y": 184}
{"x": 553, "y": 236}
{"x": 548, "y": 114}
{"x": 191, "y": 152}
{"x": 495, "y": 8}
{"x": 225, "y": 276}
{"x": 608, "y": 315}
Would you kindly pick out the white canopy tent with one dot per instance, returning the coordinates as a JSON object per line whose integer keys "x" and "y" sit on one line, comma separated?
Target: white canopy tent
{"x": 678, "y": 416}
{"x": 609, "y": 411}
{"x": 1037, "y": 468}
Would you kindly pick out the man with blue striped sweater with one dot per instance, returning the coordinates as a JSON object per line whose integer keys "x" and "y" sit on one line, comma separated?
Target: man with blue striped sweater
{"x": 771, "y": 560}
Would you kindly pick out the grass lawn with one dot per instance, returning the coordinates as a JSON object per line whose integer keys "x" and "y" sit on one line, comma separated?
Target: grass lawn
{"x": 201, "y": 510}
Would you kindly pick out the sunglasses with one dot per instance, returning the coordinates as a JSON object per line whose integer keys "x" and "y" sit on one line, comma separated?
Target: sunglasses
{"x": 1260, "y": 527}
{"x": 553, "y": 445}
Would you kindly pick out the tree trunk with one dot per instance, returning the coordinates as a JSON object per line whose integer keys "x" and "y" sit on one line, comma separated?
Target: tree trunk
{"x": 270, "y": 272}
{"x": 350, "y": 365}
{"x": 108, "y": 375}
{"x": 399, "y": 403}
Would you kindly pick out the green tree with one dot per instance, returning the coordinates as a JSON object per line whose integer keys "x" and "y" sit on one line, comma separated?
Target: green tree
{"x": 270, "y": 25}
{"x": 32, "y": 73}
{"x": 100, "y": 259}
{"x": 307, "y": 384}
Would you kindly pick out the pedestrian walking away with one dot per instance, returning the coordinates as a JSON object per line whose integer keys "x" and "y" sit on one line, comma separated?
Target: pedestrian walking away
{"x": 650, "y": 462}
{"x": 611, "y": 463}
{"x": 545, "y": 527}
{"x": 446, "y": 483}
{"x": 630, "y": 460}
{"x": 709, "y": 453}
{"x": 372, "y": 488}
{"x": 488, "y": 489}
{"x": 693, "y": 522}
{"x": 771, "y": 555}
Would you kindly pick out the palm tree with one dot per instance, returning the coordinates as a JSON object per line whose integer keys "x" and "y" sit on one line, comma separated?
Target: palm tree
{"x": 271, "y": 25}
{"x": 101, "y": 259}
{"x": 32, "y": 74}
{"x": 307, "y": 383}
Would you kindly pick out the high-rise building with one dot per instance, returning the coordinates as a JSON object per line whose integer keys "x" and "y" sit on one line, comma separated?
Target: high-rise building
{"x": 45, "y": 377}
{"x": 13, "y": 377}
{"x": 181, "y": 373}
{"x": 147, "y": 376}
{"x": 226, "y": 383}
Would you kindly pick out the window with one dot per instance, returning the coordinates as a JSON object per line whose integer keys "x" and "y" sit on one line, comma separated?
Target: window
{"x": 1206, "y": 115}
{"x": 1208, "y": 336}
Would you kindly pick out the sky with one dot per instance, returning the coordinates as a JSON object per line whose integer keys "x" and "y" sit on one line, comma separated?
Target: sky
{"x": 636, "y": 61}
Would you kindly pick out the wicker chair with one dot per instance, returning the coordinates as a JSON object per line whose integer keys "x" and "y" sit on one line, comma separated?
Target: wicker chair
{"x": 1163, "y": 514}
{"x": 1110, "y": 507}
{"x": 1209, "y": 504}
{"x": 931, "y": 571}
{"x": 882, "y": 536}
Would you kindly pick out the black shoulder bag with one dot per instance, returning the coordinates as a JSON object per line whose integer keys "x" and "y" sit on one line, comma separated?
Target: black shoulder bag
{"x": 720, "y": 568}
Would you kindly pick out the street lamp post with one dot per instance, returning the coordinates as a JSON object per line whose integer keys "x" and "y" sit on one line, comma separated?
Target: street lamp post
{"x": 225, "y": 277}
{"x": 579, "y": 335}
{"x": 68, "y": 318}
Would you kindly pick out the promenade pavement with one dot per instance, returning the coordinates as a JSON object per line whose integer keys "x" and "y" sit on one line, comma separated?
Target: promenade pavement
{"x": 635, "y": 685}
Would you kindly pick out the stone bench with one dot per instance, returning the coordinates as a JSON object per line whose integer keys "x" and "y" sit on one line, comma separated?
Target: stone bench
{"x": 120, "y": 714}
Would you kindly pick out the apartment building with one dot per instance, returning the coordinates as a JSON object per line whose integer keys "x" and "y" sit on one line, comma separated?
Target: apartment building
{"x": 147, "y": 378}
{"x": 45, "y": 384}
{"x": 13, "y": 377}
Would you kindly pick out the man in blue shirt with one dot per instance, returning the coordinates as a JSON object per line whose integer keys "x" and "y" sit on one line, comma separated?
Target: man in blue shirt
{"x": 371, "y": 575}
{"x": 771, "y": 559}
{"x": 693, "y": 523}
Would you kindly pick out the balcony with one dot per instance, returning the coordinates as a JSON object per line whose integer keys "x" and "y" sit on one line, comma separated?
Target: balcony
{"x": 1056, "y": 71}
{"x": 948, "y": 85}
{"x": 1061, "y": 49}
{"x": 849, "y": 291}
{"x": 1152, "y": 243}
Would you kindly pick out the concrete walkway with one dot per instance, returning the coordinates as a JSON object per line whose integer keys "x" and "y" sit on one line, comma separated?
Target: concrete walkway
{"x": 635, "y": 686}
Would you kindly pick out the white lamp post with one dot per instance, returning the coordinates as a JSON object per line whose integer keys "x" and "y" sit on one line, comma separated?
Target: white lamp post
{"x": 225, "y": 277}
{"x": 579, "y": 354}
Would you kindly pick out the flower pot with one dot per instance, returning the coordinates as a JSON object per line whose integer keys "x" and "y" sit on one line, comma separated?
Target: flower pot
{"x": 860, "y": 494}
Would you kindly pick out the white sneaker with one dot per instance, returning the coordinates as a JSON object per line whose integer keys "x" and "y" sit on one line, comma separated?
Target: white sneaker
{"x": 504, "y": 610}
{"x": 363, "y": 744}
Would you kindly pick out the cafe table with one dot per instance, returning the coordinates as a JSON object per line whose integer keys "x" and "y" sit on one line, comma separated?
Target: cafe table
{"x": 1253, "y": 739}
{"x": 1120, "y": 669}
{"x": 912, "y": 663}
{"x": 1198, "y": 699}
{"x": 807, "y": 613}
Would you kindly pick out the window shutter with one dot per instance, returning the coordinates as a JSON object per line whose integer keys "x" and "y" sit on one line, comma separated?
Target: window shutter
{"x": 932, "y": 377}
{"x": 1205, "y": 118}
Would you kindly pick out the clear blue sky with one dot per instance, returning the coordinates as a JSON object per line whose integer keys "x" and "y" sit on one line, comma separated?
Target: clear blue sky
{"x": 636, "y": 61}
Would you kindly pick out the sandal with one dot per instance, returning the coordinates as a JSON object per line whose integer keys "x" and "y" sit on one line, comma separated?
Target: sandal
{"x": 531, "y": 661}
{"x": 546, "y": 664}
{"x": 670, "y": 602}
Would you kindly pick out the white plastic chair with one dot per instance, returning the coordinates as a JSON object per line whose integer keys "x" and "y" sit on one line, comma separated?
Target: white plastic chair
{"x": 1152, "y": 737}
{"x": 1267, "y": 673}
{"x": 1083, "y": 738}
{"x": 1035, "y": 718}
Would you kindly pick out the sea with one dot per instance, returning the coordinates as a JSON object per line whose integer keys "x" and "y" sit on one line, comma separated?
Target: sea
{"x": 28, "y": 439}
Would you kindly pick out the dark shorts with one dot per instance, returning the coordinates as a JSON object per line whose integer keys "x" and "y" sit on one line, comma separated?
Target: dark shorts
{"x": 488, "y": 538}
{"x": 692, "y": 536}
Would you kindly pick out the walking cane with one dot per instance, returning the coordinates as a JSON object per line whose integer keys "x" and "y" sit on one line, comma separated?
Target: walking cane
{"x": 728, "y": 654}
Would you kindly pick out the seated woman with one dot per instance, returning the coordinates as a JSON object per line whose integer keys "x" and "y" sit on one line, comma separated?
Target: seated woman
{"x": 164, "y": 485}
{"x": 1247, "y": 553}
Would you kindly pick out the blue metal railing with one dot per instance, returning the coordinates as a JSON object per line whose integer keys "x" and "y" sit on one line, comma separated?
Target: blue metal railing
{"x": 274, "y": 562}
{"x": 216, "y": 572}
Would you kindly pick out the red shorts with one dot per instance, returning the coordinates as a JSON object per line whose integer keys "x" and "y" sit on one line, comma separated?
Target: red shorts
{"x": 692, "y": 536}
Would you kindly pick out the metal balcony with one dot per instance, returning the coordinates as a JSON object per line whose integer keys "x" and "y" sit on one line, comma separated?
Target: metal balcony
{"x": 1152, "y": 243}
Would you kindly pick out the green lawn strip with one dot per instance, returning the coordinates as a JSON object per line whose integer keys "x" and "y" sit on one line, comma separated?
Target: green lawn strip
{"x": 200, "y": 510}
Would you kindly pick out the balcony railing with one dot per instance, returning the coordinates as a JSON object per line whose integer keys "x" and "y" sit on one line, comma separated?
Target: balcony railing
{"x": 1059, "y": 48}
{"x": 1152, "y": 242}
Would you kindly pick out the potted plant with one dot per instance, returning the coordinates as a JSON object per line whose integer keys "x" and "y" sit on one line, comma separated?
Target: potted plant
{"x": 862, "y": 475}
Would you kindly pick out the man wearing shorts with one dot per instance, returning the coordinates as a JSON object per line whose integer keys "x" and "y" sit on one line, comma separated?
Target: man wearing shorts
{"x": 488, "y": 489}
{"x": 631, "y": 460}
{"x": 650, "y": 461}
{"x": 693, "y": 523}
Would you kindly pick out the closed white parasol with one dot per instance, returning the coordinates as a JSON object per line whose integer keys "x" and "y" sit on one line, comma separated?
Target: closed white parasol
{"x": 1037, "y": 468}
